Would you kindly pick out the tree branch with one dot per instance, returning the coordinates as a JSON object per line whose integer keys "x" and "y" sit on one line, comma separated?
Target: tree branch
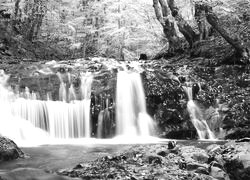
{"x": 235, "y": 42}
{"x": 158, "y": 12}
{"x": 165, "y": 8}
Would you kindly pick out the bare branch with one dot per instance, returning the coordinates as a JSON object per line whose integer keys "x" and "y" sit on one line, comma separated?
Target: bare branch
{"x": 158, "y": 12}
{"x": 165, "y": 8}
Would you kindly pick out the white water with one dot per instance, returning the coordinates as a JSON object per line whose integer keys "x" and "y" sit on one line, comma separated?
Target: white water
{"x": 29, "y": 121}
{"x": 132, "y": 119}
{"x": 197, "y": 119}
{"x": 26, "y": 119}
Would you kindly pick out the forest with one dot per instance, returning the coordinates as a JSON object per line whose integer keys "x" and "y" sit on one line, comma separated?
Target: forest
{"x": 125, "y": 89}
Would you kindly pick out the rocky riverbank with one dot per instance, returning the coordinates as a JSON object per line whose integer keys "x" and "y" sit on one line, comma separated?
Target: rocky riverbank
{"x": 224, "y": 162}
{"x": 173, "y": 161}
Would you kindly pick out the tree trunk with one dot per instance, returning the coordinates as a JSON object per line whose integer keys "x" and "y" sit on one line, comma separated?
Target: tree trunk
{"x": 178, "y": 16}
{"x": 175, "y": 26}
{"x": 17, "y": 8}
{"x": 235, "y": 42}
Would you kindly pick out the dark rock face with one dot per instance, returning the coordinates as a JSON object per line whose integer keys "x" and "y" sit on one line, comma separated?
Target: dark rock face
{"x": 9, "y": 150}
{"x": 143, "y": 57}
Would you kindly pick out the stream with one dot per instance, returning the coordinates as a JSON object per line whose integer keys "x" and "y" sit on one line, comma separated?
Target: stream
{"x": 55, "y": 157}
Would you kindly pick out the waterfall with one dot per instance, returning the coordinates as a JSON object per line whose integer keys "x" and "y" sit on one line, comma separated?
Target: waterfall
{"x": 132, "y": 118}
{"x": 25, "y": 117}
{"x": 104, "y": 127}
{"x": 196, "y": 117}
{"x": 68, "y": 118}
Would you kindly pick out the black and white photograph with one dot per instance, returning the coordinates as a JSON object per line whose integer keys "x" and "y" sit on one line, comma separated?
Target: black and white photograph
{"x": 124, "y": 89}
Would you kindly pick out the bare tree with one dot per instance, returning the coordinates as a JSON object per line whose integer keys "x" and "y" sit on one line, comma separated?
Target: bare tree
{"x": 186, "y": 20}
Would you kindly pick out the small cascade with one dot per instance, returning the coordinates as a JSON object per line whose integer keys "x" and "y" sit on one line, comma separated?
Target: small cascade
{"x": 68, "y": 118}
{"x": 105, "y": 120}
{"x": 131, "y": 116}
{"x": 16, "y": 127}
{"x": 196, "y": 117}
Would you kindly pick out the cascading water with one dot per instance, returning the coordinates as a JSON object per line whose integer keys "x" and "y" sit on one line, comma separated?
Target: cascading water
{"x": 53, "y": 119}
{"x": 132, "y": 119}
{"x": 197, "y": 119}
{"x": 104, "y": 127}
{"x": 27, "y": 118}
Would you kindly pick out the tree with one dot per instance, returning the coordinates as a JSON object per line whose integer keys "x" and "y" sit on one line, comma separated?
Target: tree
{"x": 129, "y": 28}
{"x": 188, "y": 20}
{"x": 28, "y": 17}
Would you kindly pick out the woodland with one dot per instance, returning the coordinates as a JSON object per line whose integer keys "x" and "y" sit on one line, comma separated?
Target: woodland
{"x": 201, "y": 44}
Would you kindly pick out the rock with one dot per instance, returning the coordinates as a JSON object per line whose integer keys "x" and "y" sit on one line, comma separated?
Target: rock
{"x": 182, "y": 164}
{"x": 201, "y": 157}
{"x": 143, "y": 57}
{"x": 218, "y": 173}
{"x": 171, "y": 144}
{"x": 194, "y": 165}
{"x": 213, "y": 149}
{"x": 202, "y": 170}
{"x": 216, "y": 164}
{"x": 245, "y": 174}
{"x": 244, "y": 158}
{"x": 9, "y": 150}
{"x": 243, "y": 140}
{"x": 163, "y": 153}
{"x": 193, "y": 154}
{"x": 154, "y": 159}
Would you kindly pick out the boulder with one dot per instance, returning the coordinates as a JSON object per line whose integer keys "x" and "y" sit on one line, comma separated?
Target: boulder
{"x": 245, "y": 159}
{"x": 195, "y": 165}
{"x": 9, "y": 150}
{"x": 213, "y": 149}
{"x": 201, "y": 157}
{"x": 218, "y": 173}
{"x": 202, "y": 170}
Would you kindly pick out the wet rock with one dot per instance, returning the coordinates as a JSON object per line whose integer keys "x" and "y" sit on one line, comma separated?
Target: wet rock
{"x": 195, "y": 165}
{"x": 143, "y": 57}
{"x": 244, "y": 158}
{"x": 213, "y": 149}
{"x": 154, "y": 159}
{"x": 243, "y": 140}
{"x": 218, "y": 173}
{"x": 182, "y": 164}
{"x": 163, "y": 153}
{"x": 216, "y": 164}
{"x": 9, "y": 150}
{"x": 201, "y": 157}
{"x": 202, "y": 170}
{"x": 238, "y": 133}
{"x": 245, "y": 174}
{"x": 171, "y": 144}
{"x": 191, "y": 153}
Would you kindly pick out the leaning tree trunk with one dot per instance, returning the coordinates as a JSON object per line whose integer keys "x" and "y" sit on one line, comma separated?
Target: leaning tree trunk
{"x": 178, "y": 25}
{"x": 181, "y": 16}
{"x": 240, "y": 48}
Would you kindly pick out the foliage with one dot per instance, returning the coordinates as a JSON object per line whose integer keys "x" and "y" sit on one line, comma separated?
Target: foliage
{"x": 130, "y": 28}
